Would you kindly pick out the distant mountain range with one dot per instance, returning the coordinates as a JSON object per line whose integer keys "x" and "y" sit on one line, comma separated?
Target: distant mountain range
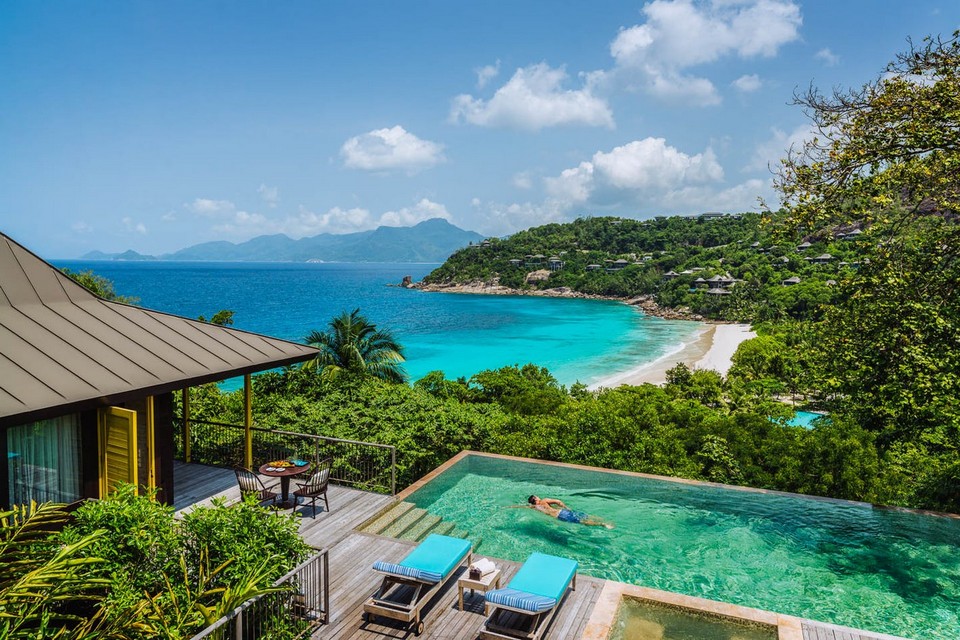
{"x": 429, "y": 241}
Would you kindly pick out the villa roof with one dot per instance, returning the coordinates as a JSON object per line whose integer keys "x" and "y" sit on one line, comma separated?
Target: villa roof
{"x": 63, "y": 349}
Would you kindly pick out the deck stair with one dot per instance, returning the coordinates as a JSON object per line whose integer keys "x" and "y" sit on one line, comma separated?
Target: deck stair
{"x": 406, "y": 521}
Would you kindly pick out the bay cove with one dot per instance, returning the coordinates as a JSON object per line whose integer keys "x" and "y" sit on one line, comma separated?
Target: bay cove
{"x": 591, "y": 341}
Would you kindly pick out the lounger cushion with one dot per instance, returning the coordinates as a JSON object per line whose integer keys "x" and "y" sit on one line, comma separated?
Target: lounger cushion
{"x": 538, "y": 586}
{"x": 521, "y": 600}
{"x": 431, "y": 561}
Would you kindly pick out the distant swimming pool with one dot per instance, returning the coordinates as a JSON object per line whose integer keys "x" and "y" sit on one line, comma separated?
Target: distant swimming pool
{"x": 805, "y": 419}
{"x": 879, "y": 569}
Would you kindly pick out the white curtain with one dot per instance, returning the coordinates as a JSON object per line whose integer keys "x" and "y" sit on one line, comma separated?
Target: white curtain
{"x": 44, "y": 461}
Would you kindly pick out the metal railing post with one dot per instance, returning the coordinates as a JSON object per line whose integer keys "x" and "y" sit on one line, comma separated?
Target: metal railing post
{"x": 326, "y": 586}
{"x": 393, "y": 471}
{"x": 247, "y": 423}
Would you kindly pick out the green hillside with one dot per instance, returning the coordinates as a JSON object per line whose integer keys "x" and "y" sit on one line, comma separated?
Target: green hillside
{"x": 721, "y": 266}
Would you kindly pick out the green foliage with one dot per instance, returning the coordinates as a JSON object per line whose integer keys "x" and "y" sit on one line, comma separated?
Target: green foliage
{"x": 694, "y": 248}
{"x": 43, "y": 584}
{"x": 885, "y": 160}
{"x": 354, "y": 345}
{"x": 244, "y": 535}
{"x": 138, "y": 542}
{"x": 98, "y": 285}
{"x": 162, "y": 577}
{"x": 222, "y": 318}
{"x": 527, "y": 390}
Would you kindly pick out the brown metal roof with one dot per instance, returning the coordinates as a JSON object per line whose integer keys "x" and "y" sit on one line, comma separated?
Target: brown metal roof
{"x": 63, "y": 349}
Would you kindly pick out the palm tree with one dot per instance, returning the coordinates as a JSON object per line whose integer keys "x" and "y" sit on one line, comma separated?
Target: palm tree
{"x": 355, "y": 345}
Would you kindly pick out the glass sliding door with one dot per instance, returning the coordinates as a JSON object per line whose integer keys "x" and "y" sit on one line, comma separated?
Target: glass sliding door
{"x": 43, "y": 461}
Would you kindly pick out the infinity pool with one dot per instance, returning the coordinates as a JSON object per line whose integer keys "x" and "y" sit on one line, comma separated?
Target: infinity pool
{"x": 851, "y": 564}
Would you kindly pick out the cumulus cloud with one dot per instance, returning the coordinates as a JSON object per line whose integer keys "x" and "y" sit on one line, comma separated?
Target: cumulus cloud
{"x": 486, "y": 74}
{"x": 680, "y": 34}
{"x": 270, "y": 195}
{"x": 409, "y": 216}
{"x": 647, "y": 176}
{"x": 81, "y": 227}
{"x": 827, "y": 57}
{"x": 748, "y": 83}
{"x": 169, "y": 216}
{"x": 388, "y": 149}
{"x": 533, "y": 99}
{"x": 132, "y": 225}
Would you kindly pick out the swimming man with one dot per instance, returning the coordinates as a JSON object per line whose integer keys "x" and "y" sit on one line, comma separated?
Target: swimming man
{"x": 557, "y": 509}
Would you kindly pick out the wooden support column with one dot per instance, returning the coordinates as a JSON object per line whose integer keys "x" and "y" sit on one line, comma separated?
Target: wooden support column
{"x": 247, "y": 423}
{"x": 186, "y": 424}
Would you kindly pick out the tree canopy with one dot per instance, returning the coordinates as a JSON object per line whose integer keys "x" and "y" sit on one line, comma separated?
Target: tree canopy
{"x": 887, "y": 151}
{"x": 353, "y": 344}
{"x": 886, "y": 158}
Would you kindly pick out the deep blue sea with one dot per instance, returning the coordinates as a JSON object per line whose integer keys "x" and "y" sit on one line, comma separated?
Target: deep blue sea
{"x": 459, "y": 334}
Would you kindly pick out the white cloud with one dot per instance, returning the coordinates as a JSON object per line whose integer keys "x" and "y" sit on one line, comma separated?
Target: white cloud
{"x": 394, "y": 148}
{"x": 768, "y": 153}
{"x": 486, "y": 74}
{"x": 646, "y": 177}
{"x": 132, "y": 225}
{"x": 572, "y": 186}
{"x": 305, "y": 222}
{"x": 652, "y": 164}
{"x": 748, "y": 83}
{"x": 522, "y": 180}
{"x": 502, "y": 218}
{"x": 409, "y": 216}
{"x": 534, "y": 98}
{"x": 827, "y": 57}
{"x": 169, "y": 216}
{"x": 208, "y": 207}
{"x": 270, "y": 195}
{"x": 680, "y": 34}
{"x": 81, "y": 227}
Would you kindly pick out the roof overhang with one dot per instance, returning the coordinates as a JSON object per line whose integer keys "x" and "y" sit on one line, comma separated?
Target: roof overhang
{"x": 63, "y": 349}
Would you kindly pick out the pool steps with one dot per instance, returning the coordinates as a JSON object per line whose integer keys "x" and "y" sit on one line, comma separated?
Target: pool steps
{"x": 406, "y": 521}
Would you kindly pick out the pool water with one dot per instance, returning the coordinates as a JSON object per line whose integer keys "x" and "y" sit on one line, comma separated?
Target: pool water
{"x": 805, "y": 419}
{"x": 638, "y": 620}
{"x": 878, "y": 569}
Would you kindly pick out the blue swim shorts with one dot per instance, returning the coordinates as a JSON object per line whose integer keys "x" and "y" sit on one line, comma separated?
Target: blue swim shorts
{"x": 566, "y": 515}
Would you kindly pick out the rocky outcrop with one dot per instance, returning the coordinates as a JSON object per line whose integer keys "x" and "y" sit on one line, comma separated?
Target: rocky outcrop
{"x": 646, "y": 303}
{"x": 541, "y": 275}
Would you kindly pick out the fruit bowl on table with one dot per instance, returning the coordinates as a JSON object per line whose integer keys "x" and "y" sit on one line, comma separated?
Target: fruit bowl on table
{"x": 283, "y": 465}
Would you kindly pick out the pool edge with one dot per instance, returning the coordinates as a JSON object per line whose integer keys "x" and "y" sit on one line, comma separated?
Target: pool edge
{"x": 637, "y": 474}
{"x": 604, "y": 613}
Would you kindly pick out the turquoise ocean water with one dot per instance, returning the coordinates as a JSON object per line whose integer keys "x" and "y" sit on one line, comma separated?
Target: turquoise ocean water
{"x": 871, "y": 568}
{"x": 585, "y": 340}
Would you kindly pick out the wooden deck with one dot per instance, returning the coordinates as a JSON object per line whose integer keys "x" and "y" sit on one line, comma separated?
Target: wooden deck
{"x": 352, "y": 580}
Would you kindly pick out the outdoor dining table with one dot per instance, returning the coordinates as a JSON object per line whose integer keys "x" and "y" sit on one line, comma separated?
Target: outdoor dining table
{"x": 284, "y": 473}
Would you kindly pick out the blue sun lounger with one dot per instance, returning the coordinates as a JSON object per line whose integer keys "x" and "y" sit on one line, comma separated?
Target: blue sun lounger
{"x": 410, "y": 584}
{"x": 526, "y": 606}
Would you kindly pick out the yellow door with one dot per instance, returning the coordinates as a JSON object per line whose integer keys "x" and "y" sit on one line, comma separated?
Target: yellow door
{"x": 118, "y": 447}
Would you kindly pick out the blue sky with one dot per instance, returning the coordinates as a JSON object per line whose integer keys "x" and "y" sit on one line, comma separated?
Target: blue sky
{"x": 156, "y": 125}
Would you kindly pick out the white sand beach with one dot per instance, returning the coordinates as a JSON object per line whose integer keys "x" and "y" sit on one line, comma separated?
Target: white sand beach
{"x": 712, "y": 348}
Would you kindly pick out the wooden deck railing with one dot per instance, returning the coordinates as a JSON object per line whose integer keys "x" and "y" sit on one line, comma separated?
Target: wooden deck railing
{"x": 295, "y": 612}
{"x": 363, "y": 465}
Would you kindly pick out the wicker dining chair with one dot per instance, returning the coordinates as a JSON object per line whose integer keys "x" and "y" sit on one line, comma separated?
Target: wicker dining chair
{"x": 251, "y": 484}
{"x": 316, "y": 485}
